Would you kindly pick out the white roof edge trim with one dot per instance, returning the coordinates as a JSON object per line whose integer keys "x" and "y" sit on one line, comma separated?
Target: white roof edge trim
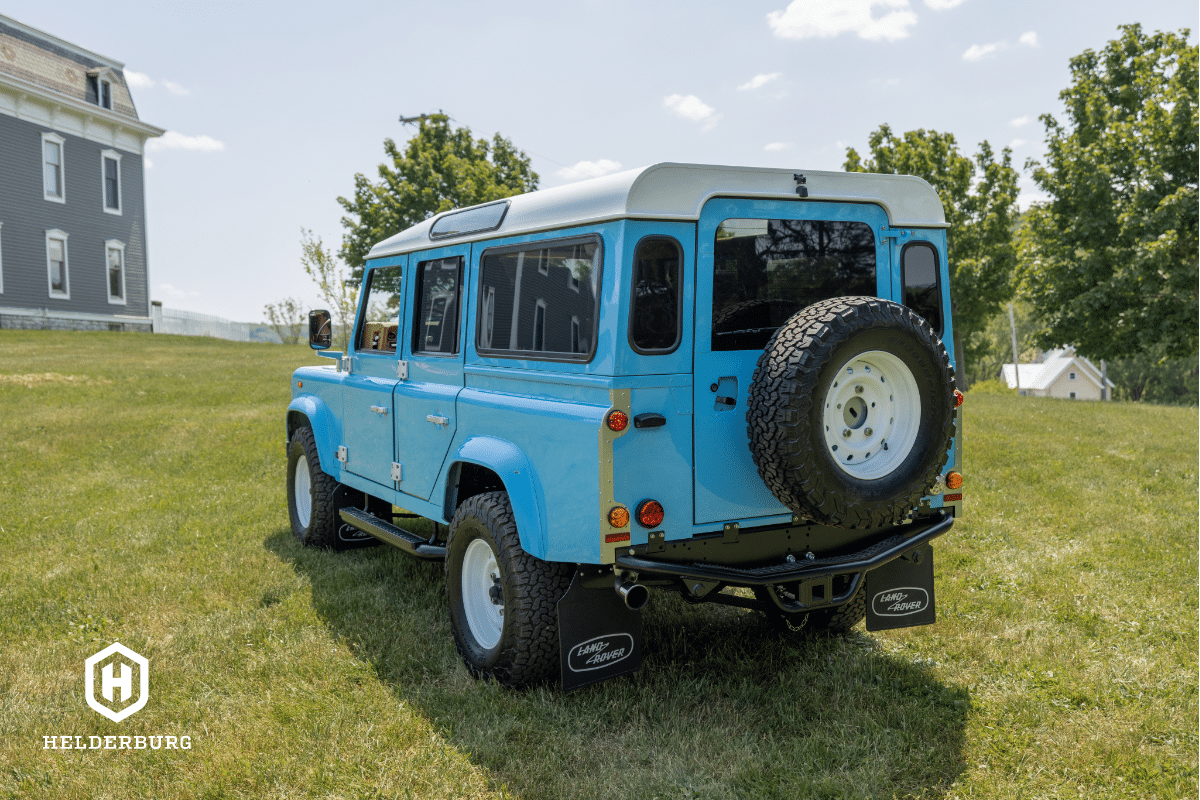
{"x": 671, "y": 191}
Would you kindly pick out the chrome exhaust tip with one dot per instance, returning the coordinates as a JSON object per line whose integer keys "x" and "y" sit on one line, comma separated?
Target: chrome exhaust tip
{"x": 633, "y": 594}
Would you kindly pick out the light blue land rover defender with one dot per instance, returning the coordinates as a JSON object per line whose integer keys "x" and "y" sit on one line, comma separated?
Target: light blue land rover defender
{"x": 687, "y": 377}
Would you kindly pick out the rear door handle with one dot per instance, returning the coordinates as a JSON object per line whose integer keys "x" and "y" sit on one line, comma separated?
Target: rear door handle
{"x": 379, "y": 409}
{"x": 438, "y": 420}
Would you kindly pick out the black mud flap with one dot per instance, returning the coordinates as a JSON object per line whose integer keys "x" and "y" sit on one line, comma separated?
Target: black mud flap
{"x": 900, "y": 593}
{"x": 599, "y": 637}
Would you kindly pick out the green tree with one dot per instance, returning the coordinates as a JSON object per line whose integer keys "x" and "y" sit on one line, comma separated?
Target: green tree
{"x": 338, "y": 289}
{"x": 441, "y": 168}
{"x": 286, "y": 318}
{"x": 979, "y": 197}
{"x": 1110, "y": 261}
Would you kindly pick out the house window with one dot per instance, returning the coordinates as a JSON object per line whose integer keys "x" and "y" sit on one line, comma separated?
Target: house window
{"x": 110, "y": 168}
{"x": 1072, "y": 376}
{"x": 1, "y": 262}
{"x": 53, "y": 176}
{"x": 539, "y": 326}
{"x": 114, "y": 253}
{"x": 56, "y": 264}
{"x": 105, "y": 94}
{"x": 1072, "y": 395}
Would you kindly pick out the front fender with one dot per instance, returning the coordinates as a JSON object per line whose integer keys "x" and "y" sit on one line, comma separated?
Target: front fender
{"x": 325, "y": 427}
{"x": 520, "y": 480}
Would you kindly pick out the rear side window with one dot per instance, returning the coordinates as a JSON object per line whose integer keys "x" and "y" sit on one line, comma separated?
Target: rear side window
{"x": 438, "y": 293}
{"x": 765, "y": 270}
{"x": 654, "y": 318}
{"x": 540, "y": 299}
{"x": 381, "y": 314}
{"x": 922, "y": 290}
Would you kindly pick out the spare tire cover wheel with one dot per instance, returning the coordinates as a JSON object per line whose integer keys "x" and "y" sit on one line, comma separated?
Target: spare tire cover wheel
{"x": 850, "y": 413}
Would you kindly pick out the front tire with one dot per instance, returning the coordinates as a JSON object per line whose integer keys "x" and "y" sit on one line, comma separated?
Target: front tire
{"x": 314, "y": 499}
{"x": 503, "y": 601}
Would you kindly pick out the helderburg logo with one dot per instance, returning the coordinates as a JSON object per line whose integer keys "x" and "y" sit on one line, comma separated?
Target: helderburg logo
{"x": 118, "y": 667}
{"x": 900, "y": 602}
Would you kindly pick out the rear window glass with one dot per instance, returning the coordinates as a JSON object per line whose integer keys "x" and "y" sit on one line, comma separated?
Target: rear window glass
{"x": 654, "y": 316}
{"x": 765, "y": 270}
{"x": 921, "y": 287}
{"x": 540, "y": 299}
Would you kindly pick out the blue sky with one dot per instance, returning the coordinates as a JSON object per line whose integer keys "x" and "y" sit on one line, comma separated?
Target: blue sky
{"x": 272, "y": 108}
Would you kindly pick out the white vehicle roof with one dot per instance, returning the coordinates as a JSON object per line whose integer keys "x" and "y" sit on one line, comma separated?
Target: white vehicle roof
{"x": 670, "y": 191}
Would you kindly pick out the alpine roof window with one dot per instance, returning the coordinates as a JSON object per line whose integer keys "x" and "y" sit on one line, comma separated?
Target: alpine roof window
{"x": 765, "y": 270}
{"x": 922, "y": 291}
{"x": 472, "y": 220}
{"x": 532, "y": 309}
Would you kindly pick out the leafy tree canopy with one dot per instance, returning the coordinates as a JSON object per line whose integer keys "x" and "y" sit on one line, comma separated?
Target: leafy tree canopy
{"x": 1110, "y": 261}
{"x": 441, "y": 168}
{"x": 979, "y": 197}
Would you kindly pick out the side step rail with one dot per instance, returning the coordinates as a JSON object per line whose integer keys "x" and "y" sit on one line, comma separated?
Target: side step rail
{"x": 410, "y": 543}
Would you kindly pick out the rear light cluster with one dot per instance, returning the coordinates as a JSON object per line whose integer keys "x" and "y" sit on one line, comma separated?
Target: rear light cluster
{"x": 954, "y": 480}
{"x": 958, "y": 398}
{"x": 618, "y": 517}
{"x": 650, "y": 513}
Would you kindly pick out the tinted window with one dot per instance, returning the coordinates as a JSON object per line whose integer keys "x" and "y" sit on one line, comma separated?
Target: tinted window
{"x": 921, "y": 283}
{"x": 654, "y": 312}
{"x": 382, "y": 310}
{"x": 473, "y": 220}
{"x": 438, "y": 293}
{"x": 540, "y": 299}
{"x": 765, "y": 270}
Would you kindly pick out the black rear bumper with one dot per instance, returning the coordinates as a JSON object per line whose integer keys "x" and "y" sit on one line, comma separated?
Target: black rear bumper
{"x": 802, "y": 569}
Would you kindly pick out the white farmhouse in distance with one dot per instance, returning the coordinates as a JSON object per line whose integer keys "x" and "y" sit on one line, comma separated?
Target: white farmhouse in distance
{"x": 1063, "y": 374}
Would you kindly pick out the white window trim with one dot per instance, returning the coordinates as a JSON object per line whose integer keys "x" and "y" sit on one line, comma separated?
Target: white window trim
{"x": 540, "y": 305}
{"x": 1071, "y": 376}
{"x": 1, "y": 258}
{"x": 114, "y": 244}
{"x": 62, "y": 167}
{"x": 55, "y": 233}
{"x": 115, "y": 156}
{"x": 100, "y": 84}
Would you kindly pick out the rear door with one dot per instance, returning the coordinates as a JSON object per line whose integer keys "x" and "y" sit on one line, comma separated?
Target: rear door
{"x": 758, "y": 263}
{"x": 425, "y": 400}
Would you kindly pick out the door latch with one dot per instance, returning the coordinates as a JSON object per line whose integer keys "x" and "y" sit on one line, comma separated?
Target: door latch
{"x": 381, "y": 410}
{"x": 438, "y": 420}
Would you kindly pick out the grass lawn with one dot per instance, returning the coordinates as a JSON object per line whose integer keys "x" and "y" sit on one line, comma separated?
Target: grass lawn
{"x": 142, "y": 500}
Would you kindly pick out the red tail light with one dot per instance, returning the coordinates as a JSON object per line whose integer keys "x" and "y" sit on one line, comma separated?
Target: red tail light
{"x": 617, "y": 420}
{"x": 958, "y": 398}
{"x": 650, "y": 513}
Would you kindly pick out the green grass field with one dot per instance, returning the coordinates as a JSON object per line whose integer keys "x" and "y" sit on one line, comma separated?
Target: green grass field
{"x": 142, "y": 500}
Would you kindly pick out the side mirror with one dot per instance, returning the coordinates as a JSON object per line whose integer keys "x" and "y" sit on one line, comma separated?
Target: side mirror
{"x": 320, "y": 330}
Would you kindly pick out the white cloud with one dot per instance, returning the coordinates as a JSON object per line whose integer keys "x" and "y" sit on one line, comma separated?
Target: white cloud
{"x": 978, "y": 52}
{"x": 174, "y": 140}
{"x": 775, "y": 147}
{"x": 173, "y": 293}
{"x": 589, "y": 169}
{"x": 1029, "y": 39}
{"x": 1015, "y": 143}
{"x": 147, "y": 162}
{"x": 1021, "y": 121}
{"x": 138, "y": 80}
{"x": 942, "y": 5}
{"x": 692, "y": 108}
{"x": 758, "y": 81}
{"x": 175, "y": 88}
{"x": 804, "y": 19}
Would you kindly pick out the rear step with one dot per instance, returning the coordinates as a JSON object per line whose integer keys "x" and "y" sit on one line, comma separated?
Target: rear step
{"x": 397, "y": 537}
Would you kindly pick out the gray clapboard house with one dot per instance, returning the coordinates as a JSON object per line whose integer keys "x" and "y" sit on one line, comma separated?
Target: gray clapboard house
{"x": 72, "y": 199}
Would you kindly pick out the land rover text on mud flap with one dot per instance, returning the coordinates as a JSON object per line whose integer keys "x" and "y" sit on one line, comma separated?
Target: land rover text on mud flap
{"x": 695, "y": 378}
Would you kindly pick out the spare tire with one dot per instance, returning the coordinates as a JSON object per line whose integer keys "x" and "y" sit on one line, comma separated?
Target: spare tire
{"x": 850, "y": 412}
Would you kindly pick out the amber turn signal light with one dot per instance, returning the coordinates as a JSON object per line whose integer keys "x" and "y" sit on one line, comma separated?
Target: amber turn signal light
{"x": 650, "y": 513}
{"x": 954, "y": 481}
{"x": 958, "y": 398}
{"x": 617, "y": 420}
{"x": 619, "y": 517}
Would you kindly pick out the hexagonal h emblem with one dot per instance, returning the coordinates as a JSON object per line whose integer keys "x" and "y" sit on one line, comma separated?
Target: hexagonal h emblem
{"x": 117, "y": 685}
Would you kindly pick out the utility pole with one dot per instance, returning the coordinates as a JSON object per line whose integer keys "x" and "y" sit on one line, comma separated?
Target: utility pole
{"x": 417, "y": 119}
{"x": 1016, "y": 363}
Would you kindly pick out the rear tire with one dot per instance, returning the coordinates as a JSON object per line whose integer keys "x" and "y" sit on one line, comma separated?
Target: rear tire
{"x": 503, "y": 601}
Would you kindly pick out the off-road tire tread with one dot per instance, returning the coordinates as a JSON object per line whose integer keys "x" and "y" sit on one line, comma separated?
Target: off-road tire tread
{"x": 780, "y": 402}
{"x": 532, "y": 589}
{"x": 323, "y": 522}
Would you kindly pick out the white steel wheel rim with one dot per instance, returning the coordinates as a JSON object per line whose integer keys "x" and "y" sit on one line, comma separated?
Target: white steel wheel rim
{"x": 479, "y": 574}
{"x": 302, "y": 490}
{"x": 872, "y": 414}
